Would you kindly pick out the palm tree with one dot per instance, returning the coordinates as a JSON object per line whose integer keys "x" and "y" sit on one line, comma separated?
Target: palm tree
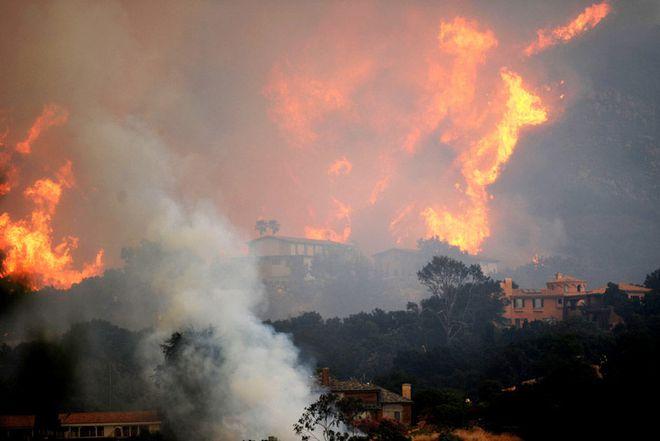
{"x": 261, "y": 226}
{"x": 274, "y": 226}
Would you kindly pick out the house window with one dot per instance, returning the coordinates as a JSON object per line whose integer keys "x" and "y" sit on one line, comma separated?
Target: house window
{"x": 74, "y": 432}
{"x": 126, "y": 431}
{"x": 86, "y": 431}
{"x": 518, "y": 303}
{"x": 560, "y": 301}
{"x": 134, "y": 430}
{"x": 537, "y": 303}
{"x": 565, "y": 288}
{"x": 144, "y": 429}
{"x": 579, "y": 288}
{"x": 517, "y": 323}
{"x": 397, "y": 415}
{"x": 99, "y": 431}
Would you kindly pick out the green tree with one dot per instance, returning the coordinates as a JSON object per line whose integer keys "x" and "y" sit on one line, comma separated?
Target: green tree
{"x": 261, "y": 226}
{"x": 462, "y": 297}
{"x": 273, "y": 226}
{"x": 330, "y": 418}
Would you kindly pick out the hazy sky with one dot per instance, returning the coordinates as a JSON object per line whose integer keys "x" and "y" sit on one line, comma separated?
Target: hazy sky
{"x": 187, "y": 99}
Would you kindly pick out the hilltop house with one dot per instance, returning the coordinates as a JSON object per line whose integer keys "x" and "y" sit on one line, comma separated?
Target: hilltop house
{"x": 378, "y": 402}
{"x": 280, "y": 257}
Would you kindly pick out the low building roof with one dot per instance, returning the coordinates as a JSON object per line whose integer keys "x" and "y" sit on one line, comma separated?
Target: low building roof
{"x": 17, "y": 421}
{"x": 140, "y": 416}
{"x": 630, "y": 287}
{"x": 353, "y": 385}
{"x": 559, "y": 277}
{"x": 350, "y": 385}
{"x": 387, "y": 397}
{"x": 298, "y": 240}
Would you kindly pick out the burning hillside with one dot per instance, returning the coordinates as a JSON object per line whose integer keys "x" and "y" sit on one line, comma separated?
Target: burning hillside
{"x": 30, "y": 251}
{"x": 460, "y": 92}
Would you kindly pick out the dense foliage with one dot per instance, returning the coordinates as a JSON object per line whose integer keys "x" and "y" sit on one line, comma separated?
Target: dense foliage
{"x": 545, "y": 381}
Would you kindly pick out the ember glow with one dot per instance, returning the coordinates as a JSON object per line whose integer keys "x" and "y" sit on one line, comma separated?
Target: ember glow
{"x": 28, "y": 245}
{"x": 587, "y": 20}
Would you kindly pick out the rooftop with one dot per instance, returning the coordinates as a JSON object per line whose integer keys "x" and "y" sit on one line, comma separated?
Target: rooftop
{"x": 353, "y": 385}
{"x": 17, "y": 421}
{"x": 142, "y": 416}
{"x": 297, "y": 240}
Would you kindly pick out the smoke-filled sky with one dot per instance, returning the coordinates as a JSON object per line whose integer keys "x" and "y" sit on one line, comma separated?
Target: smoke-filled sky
{"x": 372, "y": 122}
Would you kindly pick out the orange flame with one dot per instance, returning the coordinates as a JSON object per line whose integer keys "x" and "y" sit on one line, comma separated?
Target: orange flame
{"x": 52, "y": 115}
{"x": 342, "y": 214}
{"x": 300, "y": 102}
{"x": 341, "y": 166}
{"x": 587, "y": 20}
{"x": 481, "y": 166}
{"x": 454, "y": 91}
{"x": 27, "y": 243}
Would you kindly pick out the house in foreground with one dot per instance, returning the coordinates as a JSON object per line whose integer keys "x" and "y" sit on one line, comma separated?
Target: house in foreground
{"x": 378, "y": 402}
{"x": 84, "y": 425}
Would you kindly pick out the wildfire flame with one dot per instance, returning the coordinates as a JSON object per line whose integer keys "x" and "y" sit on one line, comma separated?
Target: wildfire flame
{"x": 342, "y": 214}
{"x": 587, "y": 20}
{"x": 478, "y": 118}
{"x": 52, "y": 115}
{"x": 481, "y": 166}
{"x": 28, "y": 243}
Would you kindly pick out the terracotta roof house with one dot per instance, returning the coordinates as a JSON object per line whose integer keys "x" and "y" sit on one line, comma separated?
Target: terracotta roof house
{"x": 84, "y": 425}
{"x": 379, "y": 402}
{"x": 17, "y": 426}
{"x": 108, "y": 424}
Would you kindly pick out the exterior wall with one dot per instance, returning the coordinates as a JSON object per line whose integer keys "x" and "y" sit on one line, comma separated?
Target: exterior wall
{"x": 107, "y": 430}
{"x": 407, "y": 414}
{"x": 563, "y": 297}
{"x": 393, "y": 412}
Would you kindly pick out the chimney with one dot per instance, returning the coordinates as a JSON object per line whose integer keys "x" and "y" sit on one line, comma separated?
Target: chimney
{"x": 406, "y": 391}
{"x": 325, "y": 377}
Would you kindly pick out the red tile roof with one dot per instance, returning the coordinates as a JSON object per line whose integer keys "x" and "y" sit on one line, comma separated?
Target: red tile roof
{"x": 17, "y": 421}
{"x": 143, "y": 416}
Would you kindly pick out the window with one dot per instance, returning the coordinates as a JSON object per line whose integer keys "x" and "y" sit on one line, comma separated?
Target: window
{"x": 126, "y": 431}
{"x": 74, "y": 432}
{"x": 579, "y": 288}
{"x": 517, "y": 323}
{"x": 99, "y": 431}
{"x": 86, "y": 431}
{"x": 397, "y": 415}
{"x": 300, "y": 249}
{"x": 518, "y": 303}
{"x": 537, "y": 303}
{"x": 560, "y": 301}
{"x": 134, "y": 430}
{"x": 144, "y": 429}
{"x": 565, "y": 288}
